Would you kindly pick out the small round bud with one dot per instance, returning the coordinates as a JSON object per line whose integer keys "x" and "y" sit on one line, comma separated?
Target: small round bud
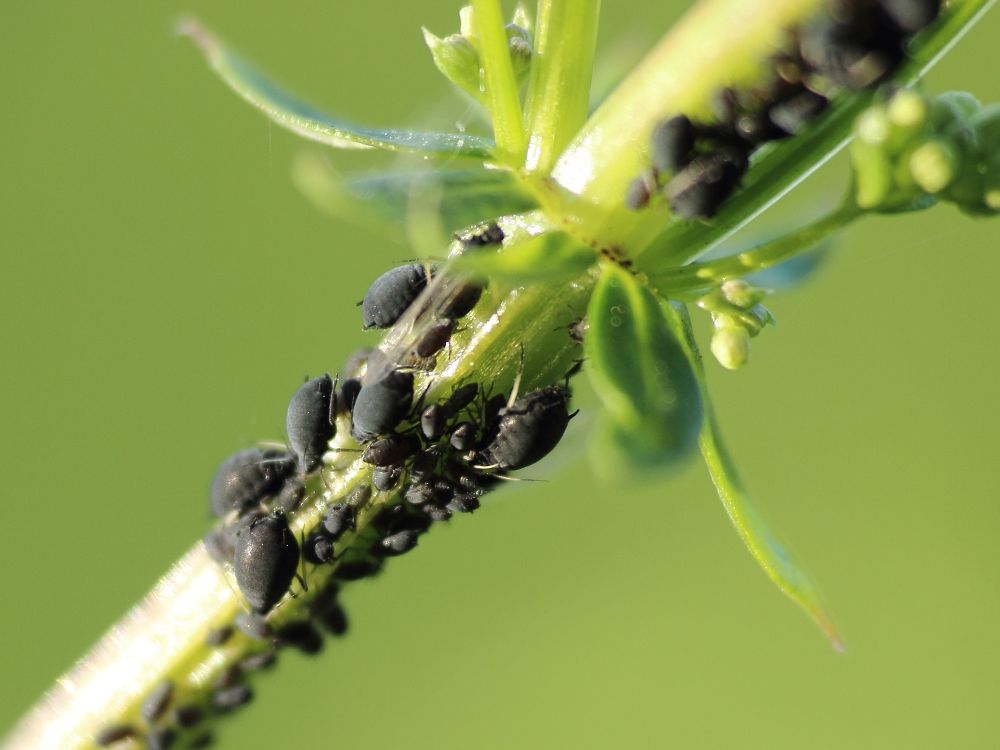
{"x": 873, "y": 126}
{"x": 907, "y": 109}
{"x": 519, "y": 44}
{"x": 933, "y": 166}
{"x": 731, "y": 346}
{"x": 457, "y": 59}
{"x": 741, "y": 294}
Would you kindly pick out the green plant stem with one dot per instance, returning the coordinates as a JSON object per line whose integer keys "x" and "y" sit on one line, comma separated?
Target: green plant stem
{"x": 561, "y": 70}
{"x": 695, "y": 277}
{"x": 501, "y": 83}
{"x": 164, "y": 636}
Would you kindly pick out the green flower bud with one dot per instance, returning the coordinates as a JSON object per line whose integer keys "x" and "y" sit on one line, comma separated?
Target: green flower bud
{"x": 457, "y": 59}
{"x": 731, "y": 346}
{"x": 933, "y": 165}
{"x": 907, "y": 110}
{"x": 467, "y": 22}
{"x": 741, "y": 294}
{"x": 519, "y": 44}
{"x": 872, "y": 174}
{"x": 873, "y": 126}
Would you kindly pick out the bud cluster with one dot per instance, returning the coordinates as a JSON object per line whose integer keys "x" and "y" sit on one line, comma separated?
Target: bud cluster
{"x": 737, "y": 316}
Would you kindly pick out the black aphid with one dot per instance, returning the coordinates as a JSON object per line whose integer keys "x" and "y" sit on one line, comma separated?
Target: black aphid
{"x": 638, "y": 193}
{"x": 795, "y": 112}
{"x": 437, "y": 513}
{"x": 253, "y": 626}
{"x": 384, "y": 478}
{"x": 188, "y": 715}
{"x": 463, "y": 437}
{"x": 231, "y": 698}
{"x": 156, "y": 703}
{"x": 248, "y": 477}
{"x": 161, "y": 738}
{"x": 348, "y": 394}
{"x": 301, "y": 635}
{"x": 309, "y": 422}
{"x": 672, "y": 143}
{"x": 218, "y": 546}
{"x": 425, "y": 464}
{"x": 443, "y": 491}
{"x": 334, "y": 619}
{"x": 265, "y": 561}
{"x": 481, "y": 235}
{"x": 358, "y": 497}
{"x": 339, "y": 518}
{"x": 435, "y": 338}
{"x": 418, "y": 494}
{"x": 911, "y": 15}
{"x": 291, "y": 496}
{"x": 218, "y": 636}
{"x": 229, "y": 677}
{"x": 357, "y": 569}
{"x": 432, "y": 421}
{"x": 259, "y": 661}
{"x": 318, "y": 549}
{"x": 463, "y": 300}
{"x": 381, "y": 406}
{"x": 391, "y": 450}
{"x": 399, "y": 518}
{"x": 461, "y": 397}
{"x": 390, "y": 294}
{"x": 463, "y": 504}
{"x": 577, "y": 330}
{"x": 528, "y": 429}
{"x": 398, "y": 543}
{"x": 201, "y": 741}
{"x": 699, "y": 189}
{"x": 113, "y": 733}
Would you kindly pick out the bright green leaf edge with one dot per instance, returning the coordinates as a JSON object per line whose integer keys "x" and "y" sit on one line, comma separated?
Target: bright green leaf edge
{"x": 302, "y": 119}
{"x": 763, "y": 545}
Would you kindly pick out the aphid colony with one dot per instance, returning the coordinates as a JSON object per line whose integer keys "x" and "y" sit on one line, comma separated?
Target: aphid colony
{"x": 696, "y": 166}
{"x": 429, "y": 461}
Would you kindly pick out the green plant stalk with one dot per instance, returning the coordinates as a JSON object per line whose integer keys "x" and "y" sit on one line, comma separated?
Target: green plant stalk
{"x": 718, "y": 43}
{"x": 561, "y": 69}
{"x": 502, "y": 92}
{"x": 163, "y": 637}
{"x": 682, "y": 281}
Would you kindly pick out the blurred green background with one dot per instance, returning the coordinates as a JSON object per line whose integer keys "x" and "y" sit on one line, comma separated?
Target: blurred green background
{"x": 164, "y": 289}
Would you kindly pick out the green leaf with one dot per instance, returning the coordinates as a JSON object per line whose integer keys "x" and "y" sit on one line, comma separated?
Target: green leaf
{"x": 386, "y": 201}
{"x": 301, "y": 118}
{"x": 523, "y": 257}
{"x": 641, "y": 371}
{"x": 762, "y": 544}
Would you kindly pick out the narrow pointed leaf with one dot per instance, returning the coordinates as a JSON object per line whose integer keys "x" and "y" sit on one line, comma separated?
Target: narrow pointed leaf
{"x": 762, "y": 544}
{"x": 386, "y": 200}
{"x": 550, "y": 256}
{"x": 301, "y": 118}
{"x": 641, "y": 371}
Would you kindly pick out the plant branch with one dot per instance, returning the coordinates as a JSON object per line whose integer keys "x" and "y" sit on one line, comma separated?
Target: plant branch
{"x": 694, "y": 277}
{"x": 501, "y": 84}
{"x": 561, "y": 71}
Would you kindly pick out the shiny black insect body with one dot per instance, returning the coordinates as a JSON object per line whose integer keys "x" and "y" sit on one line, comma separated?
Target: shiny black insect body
{"x": 339, "y": 518}
{"x": 391, "y": 450}
{"x": 318, "y": 549}
{"x": 382, "y": 405}
{"x": 301, "y": 635}
{"x": 525, "y": 431}
{"x": 399, "y": 543}
{"x": 309, "y": 421}
{"x": 435, "y": 338}
{"x": 433, "y": 420}
{"x": 481, "y": 235}
{"x": 391, "y": 293}
{"x": 463, "y": 300}
{"x": 161, "y": 738}
{"x": 248, "y": 477}
{"x": 699, "y": 189}
{"x": 673, "y": 143}
{"x": 384, "y": 478}
{"x": 157, "y": 702}
{"x": 113, "y": 733}
{"x": 463, "y": 437}
{"x": 265, "y": 561}
{"x": 231, "y": 698}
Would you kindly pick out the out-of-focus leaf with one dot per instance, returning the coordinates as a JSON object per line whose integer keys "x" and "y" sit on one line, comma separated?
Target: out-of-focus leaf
{"x": 641, "y": 371}
{"x": 301, "y": 118}
{"x": 762, "y": 544}
{"x": 550, "y": 256}
{"x": 794, "y": 272}
{"x": 384, "y": 200}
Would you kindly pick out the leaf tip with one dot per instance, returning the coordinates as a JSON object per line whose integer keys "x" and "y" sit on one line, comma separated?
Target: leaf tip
{"x": 193, "y": 29}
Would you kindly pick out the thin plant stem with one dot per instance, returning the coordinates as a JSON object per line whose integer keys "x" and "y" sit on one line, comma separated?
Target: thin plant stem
{"x": 502, "y": 93}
